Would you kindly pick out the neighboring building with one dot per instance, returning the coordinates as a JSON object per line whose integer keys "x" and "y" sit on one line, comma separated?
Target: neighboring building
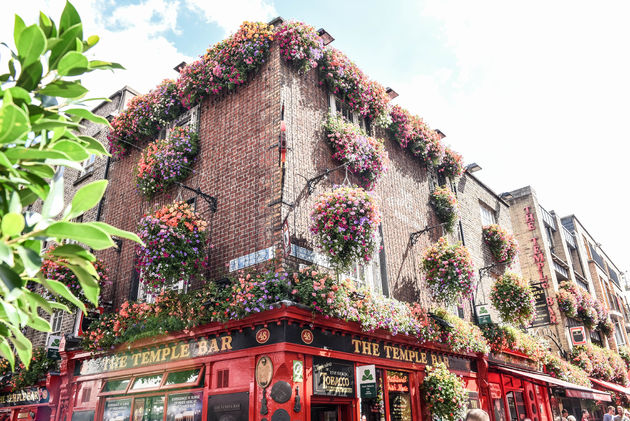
{"x": 94, "y": 168}
{"x": 555, "y": 250}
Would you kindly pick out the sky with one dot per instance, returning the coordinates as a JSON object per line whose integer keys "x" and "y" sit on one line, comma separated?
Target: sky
{"x": 534, "y": 92}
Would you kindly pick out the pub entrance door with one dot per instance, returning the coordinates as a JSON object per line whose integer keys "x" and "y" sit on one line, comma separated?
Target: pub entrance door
{"x": 328, "y": 412}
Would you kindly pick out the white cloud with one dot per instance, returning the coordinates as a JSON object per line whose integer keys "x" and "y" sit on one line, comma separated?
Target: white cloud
{"x": 538, "y": 96}
{"x": 133, "y": 35}
{"x": 230, "y": 14}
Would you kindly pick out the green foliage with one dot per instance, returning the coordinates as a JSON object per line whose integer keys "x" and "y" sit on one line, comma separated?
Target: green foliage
{"x": 445, "y": 393}
{"x": 40, "y": 110}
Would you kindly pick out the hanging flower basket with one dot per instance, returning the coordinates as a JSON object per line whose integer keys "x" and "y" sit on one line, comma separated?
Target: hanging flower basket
{"x": 444, "y": 203}
{"x": 144, "y": 117}
{"x": 300, "y": 45}
{"x": 513, "y": 298}
{"x": 502, "y": 244}
{"x": 53, "y": 268}
{"x": 445, "y": 393}
{"x": 166, "y": 161}
{"x": 413, "y": 133}
{"x": 345, "y": 222}
{"x": 364, "y": 155}
{"x": 452, "y": 165}
{"x": 226, "y": 65}
{"x": 347, "y": 81}
{"x": 175, "y": 240}
{"x": 22, "y": 377}
{"x": 606, "y": 326}
{"x": 449, "y": 272}
{"x": 567, "y": 302}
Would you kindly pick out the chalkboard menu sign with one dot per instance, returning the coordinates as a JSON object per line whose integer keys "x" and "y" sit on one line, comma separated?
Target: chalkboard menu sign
{"x": 83, "y": 415}
{"x": 228, "y": 407}
{"x": 333, "y": 377}
{"x": 399, "y": 397}
{"x": 117, "y": 410}
{"x": 184, "y": 407}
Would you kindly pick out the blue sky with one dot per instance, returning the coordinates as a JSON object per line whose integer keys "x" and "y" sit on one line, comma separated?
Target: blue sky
{"x": 536, "y": 93}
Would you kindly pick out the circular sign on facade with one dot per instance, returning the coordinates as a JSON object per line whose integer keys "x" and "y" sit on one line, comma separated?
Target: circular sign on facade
{"x": 264, "y": 371}
{"x": 307, "y": 336}
{"x": 263, "y": 335}
{"x": 281, "y": 392}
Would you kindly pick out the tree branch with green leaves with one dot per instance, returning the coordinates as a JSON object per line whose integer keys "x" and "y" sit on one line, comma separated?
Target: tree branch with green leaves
{"x": 41, "y": 110}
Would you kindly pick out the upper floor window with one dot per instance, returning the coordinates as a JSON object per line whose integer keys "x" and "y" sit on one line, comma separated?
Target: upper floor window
{"x": 487, "y": 215}
{"x": 340, "y": 107}
{"x": 148, "y": 295}
{"x": 368, "y": 274}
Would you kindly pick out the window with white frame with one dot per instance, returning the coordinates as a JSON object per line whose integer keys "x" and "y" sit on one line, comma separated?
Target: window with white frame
{"x": 88, "y": 165}
{"x": 367, "y": 274}
{"x": 337, "y": 106}
{"x": 619, "y": 334}
{"x": 148, "y": 295}
{"x": 56, "y": 321}
{"x": 487, "y": 215}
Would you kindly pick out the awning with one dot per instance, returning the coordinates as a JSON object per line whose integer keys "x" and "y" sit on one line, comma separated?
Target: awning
{"x": 573, "y": 390}
{"x": 612, "y": 386}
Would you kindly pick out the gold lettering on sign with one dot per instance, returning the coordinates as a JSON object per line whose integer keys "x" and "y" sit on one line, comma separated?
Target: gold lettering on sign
{"x": 226, "y": 343}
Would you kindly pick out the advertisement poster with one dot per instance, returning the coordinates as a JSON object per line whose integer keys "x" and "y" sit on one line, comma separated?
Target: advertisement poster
{"x": 184, "y": 407}
{"x": 333, "y": 377}
{"x": 117, "y": 410}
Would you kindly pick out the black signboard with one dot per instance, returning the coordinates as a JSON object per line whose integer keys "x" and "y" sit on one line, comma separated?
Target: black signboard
{"x": 229, "y": 407}
{"x": 117, "y": 409}
{"x": 83, "y": 415}
{"x": 333, "y": 377}
{"x": 27, "y": 396}
{"x": 276, "y": 333}
{"x": 184, "y": 407}
{"x": 542, "y": 310}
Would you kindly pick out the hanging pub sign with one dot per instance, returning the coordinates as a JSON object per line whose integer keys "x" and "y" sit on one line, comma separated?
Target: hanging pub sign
{"x": 483, "y": 314}
{"x": 578, "y": 335}
{"x": 333, "y": 377}
{"x": 28, "y": 396}
{"x": 366, "y": 379}
{"x": 542, "y": 317}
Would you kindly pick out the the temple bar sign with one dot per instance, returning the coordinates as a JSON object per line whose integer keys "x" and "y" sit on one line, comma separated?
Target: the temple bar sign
{"x": 171, "y": 352}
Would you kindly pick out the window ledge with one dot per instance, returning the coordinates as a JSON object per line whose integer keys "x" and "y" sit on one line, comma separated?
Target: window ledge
{"x": 83, "y": 177}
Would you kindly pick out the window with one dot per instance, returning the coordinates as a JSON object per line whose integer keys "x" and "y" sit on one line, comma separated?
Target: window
{"x": 619, "y": 334}
{"x": 149, "y": 295}
{"x": 147, "y": 382}
{"x": 87, "y": 166}
{"x": 340, "y": 107}
{"x": 368, "y": 274}
{"x": 487, "y": 215}
{"x": 119, "y": 385}
{"x": 56, "y": 320}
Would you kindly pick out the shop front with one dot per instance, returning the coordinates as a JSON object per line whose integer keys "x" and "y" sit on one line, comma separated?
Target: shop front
{"x": 284, "y": 364}
{"x": 518, "y": 391}
{"x": 37, "y": 403}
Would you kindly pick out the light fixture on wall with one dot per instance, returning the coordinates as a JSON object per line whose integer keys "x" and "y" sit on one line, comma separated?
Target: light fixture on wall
{"x": 507, "y": 196}
{"x": 391, "y": 93}
{"x": 474, "y": 167}
{"x": 325, "y": 36}
{"x": 179, "y": 67}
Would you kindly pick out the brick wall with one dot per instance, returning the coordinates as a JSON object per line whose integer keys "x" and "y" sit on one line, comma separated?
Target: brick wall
{"x": 471, "y": 195}
{"x": 237, "y": 164}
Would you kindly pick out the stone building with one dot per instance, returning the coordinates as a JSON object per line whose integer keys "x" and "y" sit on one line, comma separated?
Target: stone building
{"x": 554, "y": 250}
